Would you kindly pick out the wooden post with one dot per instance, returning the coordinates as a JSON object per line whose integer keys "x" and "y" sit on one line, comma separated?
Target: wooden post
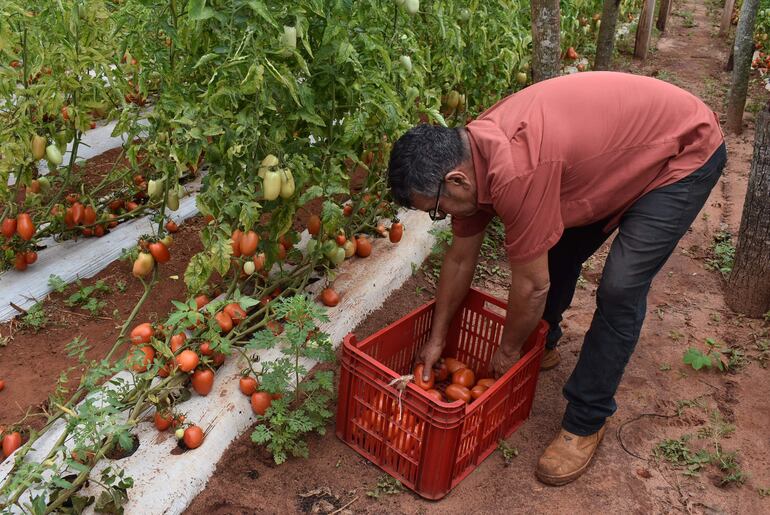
{"x": 748, "y": 287}
{"x": 644, "y": 30}
{"x": 665, "y": 10}
{"x": 605, "y": 44}
{"x": 743, "y": 49}
{"x": 727, "y": 16}
{"x": 546, "y": 40}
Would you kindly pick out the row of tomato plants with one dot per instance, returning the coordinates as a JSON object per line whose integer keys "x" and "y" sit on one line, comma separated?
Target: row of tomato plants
{"x": 284, "y": 104}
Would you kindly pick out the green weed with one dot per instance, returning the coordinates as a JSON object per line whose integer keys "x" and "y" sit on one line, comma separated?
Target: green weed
{"x": 722, "y": 254}
{"x": 386, "y": 485}
{"x": 36, "y": 318}
{"x": 508, "y": 452}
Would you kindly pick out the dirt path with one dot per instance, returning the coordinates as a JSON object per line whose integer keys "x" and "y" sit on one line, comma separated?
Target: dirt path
{"x": 660, "y": 397}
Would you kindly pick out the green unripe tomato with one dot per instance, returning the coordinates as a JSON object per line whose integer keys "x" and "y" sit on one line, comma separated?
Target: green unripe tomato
{"x": 412, "y": 6}
{"x": 406, "y": 62}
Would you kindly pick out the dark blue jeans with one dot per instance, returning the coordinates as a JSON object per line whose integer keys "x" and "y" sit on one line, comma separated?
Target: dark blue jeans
{"x": 647, "y": 235}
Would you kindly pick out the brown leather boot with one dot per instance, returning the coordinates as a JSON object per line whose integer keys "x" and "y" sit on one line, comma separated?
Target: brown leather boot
{"x": 567, "y": 457}
{"x": 551, "y": 358}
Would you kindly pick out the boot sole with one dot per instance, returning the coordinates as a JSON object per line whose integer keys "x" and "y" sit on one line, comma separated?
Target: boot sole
{"x": 568, "y": 478}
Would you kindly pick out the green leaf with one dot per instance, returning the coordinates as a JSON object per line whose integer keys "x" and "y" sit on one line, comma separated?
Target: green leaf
{"x": 311, "y": 193}
{"x": 436, "y": 116}
{"x": 262, "y": 11}
{"x": 220, "y": 253}
{"x": 60, "y": 482}
{"x": 204, "y": 59}
{"x": 696, "y": 359}
{"x": 197, "y": 273}
{"x": 198, "y": 10}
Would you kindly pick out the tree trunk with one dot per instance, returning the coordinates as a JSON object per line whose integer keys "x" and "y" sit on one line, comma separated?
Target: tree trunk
{"x": 665, "y": 10}
{"x": 744, "y": 49}
{"x": 748, "y": 287}
{"x": 730, "y": 60}
{"x": 605, "y": 45}
{"x": 727, "y": 16}
{"x": 644, "y": 30}
{"x": 546, "y": 42}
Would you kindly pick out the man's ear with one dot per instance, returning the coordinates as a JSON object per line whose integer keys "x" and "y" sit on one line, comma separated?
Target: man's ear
{"x": 458, "y": 178}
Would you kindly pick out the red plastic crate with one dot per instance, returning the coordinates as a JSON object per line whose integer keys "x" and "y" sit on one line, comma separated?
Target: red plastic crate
{"x": 431, "y": 446}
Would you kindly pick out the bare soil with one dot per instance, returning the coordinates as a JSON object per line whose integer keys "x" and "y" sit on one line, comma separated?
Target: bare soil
{"x": 660, "y": 397}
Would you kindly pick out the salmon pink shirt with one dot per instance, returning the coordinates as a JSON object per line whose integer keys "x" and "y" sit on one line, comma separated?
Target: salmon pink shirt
{"x": 579, "y": 149}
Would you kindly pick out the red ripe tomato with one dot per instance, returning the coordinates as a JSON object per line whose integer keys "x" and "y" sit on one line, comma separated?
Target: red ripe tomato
{"x": 30, "y": 257}
{"x": 206, "y": 349}
{"x": 281, "y": 252}
{"x": 259, "y": 261}
{"x": 248, "y": 243}
{"x": 201, "y": 300}
{"x": 219, "y": 359}
{"x": 330, "y": 297}
{"x": 171, "y": 226}
{"x": 116, "y": 205}
{"x": 236, "y": 242}
{"x": 164, "y": 371}
{"x": 454, "y": 365}
{"x": 78, "y": 212}
{"x": 441, "y": 371}
{"x": 235, "y": 312}
{"x": 141, "y": 334}
{"x": 477, "y": 390}
{"x": 187, "y": 360}
{"x": 396, "y": 232}
{"x": 287, "y": 241}
{"x": 163, "y": 421}
{"x": 177, "y": 341}
{"x": 203, "y": 381}
{"x": 193, "y": 437}
{"x": 146, "y": 360}
{"x": 458, "y": 392}
{"x": 224, "y": 321}
{"x": 487, "y": 383}
{"x": 9, "y": 227}
{"x": 314, "y": 225}
{"x": 11, "y": 442}
{"x": 340, "y": 239}
{"x": 465, "y": 377}
{"x": 260, "y": 401}
{"x": 160, "y": 252}
{"x": 435, "y": 394}
{"x": 248, "y": 385}
{"x": 25, "y": 227}
{"x": 363, "y": 247}
{"x": 418, "y": 380}
{"x": 89, "y": 215}
{"x": 20, "y": 262}
{"x": 347, "y": 210}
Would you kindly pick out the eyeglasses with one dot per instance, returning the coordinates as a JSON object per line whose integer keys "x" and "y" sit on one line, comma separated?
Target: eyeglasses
{"x": 434, "y": 213}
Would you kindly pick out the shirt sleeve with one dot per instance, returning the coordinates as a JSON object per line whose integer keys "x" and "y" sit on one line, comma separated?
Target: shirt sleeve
{"x": 530, "y": 208}
{"x": 471, "y": 225}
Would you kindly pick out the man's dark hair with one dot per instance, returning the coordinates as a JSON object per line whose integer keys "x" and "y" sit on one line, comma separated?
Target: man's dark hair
{"x": 420, "y": 160}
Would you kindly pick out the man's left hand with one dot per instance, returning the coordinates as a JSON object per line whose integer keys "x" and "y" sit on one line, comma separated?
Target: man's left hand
{"x": 503, "y": 360}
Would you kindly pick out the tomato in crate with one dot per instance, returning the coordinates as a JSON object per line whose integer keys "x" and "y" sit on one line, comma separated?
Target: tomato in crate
{"x": 427, "y": 444}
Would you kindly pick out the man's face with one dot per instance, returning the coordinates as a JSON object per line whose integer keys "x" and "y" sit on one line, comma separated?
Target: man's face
{"x": 458, "y": 196}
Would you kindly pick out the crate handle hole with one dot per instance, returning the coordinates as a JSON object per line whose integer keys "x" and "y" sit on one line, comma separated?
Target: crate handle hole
{"x": 494, "y": 308}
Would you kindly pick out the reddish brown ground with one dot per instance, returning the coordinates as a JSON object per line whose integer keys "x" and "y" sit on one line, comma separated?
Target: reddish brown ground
{"x": 659, "y": 398}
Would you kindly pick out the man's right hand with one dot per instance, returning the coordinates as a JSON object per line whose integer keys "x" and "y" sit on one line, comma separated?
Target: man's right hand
{"x": 429, "y": 356}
